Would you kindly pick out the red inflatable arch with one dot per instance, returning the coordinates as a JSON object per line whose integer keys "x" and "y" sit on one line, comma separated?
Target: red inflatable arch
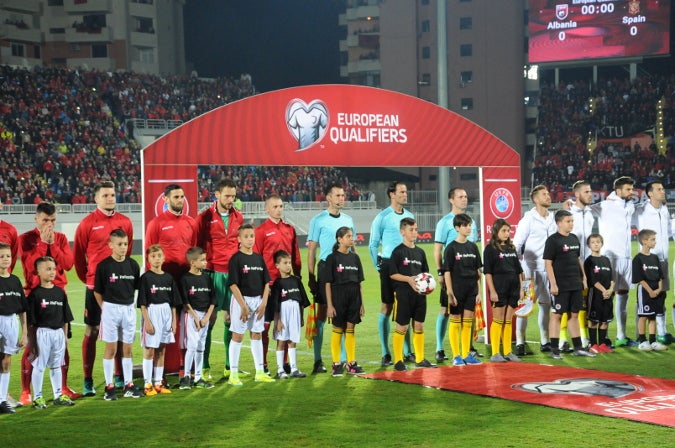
{"x": 332, "y": 125}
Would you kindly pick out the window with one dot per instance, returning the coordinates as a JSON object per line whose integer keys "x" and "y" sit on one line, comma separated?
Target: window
{"x": 74, "y": 48}
{"x": 37, "y": 51}
{"x": 146, "y": 55}
{"x": 57, "y": 30}
{"x": 465, "y": 23}
{"x": 425, "y": 2}
{"x": 55, "y": 3}
{"x": 466, "y": 77}
{"x": 99, "y": 51}
{"x": 426, "y": 52}
{"x": 426, "y": 26}
{"x": 18, "y": 50}
{"x": 467, "y": 103}
{"x": 466, "y": 50}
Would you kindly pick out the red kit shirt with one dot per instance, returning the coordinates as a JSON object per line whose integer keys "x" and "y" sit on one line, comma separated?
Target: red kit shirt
{"x": 218, "y": 242}
{"x": 176, "y": 234}
{"x": 92, "y": 239}
{"x": 271, "y": 237}
{"x": 8, "y": 235}
{"x": 32, "y": 248}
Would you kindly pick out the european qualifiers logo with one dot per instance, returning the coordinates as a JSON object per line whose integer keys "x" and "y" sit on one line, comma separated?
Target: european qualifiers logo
{"x": 307, "y": 123}
{"x": 594, "y": 387}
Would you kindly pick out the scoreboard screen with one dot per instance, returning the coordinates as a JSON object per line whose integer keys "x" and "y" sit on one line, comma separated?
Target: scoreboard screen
{"x": 594, "y": 29}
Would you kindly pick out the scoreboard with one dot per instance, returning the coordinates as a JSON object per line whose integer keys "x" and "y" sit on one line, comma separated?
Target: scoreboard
{"x": 595, "y": 29}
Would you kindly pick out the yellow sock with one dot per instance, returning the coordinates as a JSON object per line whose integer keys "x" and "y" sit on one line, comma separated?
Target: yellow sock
{"x": 496, "y": 335}
{"x": 350, "y": 344}
{"x": 466, "y": 336}
{"x": 563, "y": 327}
{"x": 583, "y": 325}
{"x": 418, "y": 344}
{"x": 507, "y": 337}
{"x": 454, "y": 329}
{"x": 335, "y": 343}
{"x": 397, "y": 341}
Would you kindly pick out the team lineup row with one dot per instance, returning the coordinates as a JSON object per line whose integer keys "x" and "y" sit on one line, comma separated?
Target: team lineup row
{"x": 216, "y": 231}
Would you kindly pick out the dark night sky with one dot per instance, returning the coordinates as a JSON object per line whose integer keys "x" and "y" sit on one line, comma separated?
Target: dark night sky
{"x": 280, "y": 43}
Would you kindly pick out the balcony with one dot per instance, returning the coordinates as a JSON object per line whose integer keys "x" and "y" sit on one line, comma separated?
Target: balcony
{"x": 87, "y": 6}
{"x": 142, "y": 10}
{"x": 143, "y": 39}
{"x": 74, "y": 36}
{"x": 16, "y": 34}
{"x": 362, "y": 12}
{"x": 364, "y": 65}
{"x": 32, "y": 6}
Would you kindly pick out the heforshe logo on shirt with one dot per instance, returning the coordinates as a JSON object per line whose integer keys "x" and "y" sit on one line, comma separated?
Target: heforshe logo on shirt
{"x": 307, "y": 122}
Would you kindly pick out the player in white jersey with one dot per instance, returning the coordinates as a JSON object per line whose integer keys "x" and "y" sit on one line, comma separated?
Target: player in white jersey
{"x": 653, "y": 214}
{"x": 615, "y": 215}
{"x": 533, "y": 229}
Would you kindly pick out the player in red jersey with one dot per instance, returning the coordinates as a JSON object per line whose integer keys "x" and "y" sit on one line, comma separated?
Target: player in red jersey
{"x": 91, "y": 245}
{"x": 9, "y": 235}
{"x": 272, "y": 235}
{"x": 44, "y": 241}
{"x": 176, "y": 232}
{"x": 217, "y": 234}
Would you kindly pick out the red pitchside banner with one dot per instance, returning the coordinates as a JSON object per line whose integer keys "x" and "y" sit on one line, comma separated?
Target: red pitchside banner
{"x": 500, "y": 193}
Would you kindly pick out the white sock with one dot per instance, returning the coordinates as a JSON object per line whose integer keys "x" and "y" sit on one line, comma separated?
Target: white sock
{"x": 620, "y": 315}
{"x": 661, "y": 324}
{"x": 159, "y": 375}
{"x": 293, "y": 358}
{"x": 4, "y": 386}
{"x": 544, "y": 318}
{"x": 128, "y": 370}
{"x": 257, "y": 352}
{"x": 280, "y": 361}
{"x": 521, "y": 330}
{"x": 189, "y": 359}
{"x": 56, "y": 376}
{"x": 108, "y": 370}
{"x": 235, "y": 350}
{"x": 147, "y": 371}
{"x": 199, "y": 360}
{"x": 36, "y": 381}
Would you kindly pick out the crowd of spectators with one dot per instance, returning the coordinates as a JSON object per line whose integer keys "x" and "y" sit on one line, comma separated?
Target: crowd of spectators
{"x": 63, "y": 130}
{"x": 568, "y": 118}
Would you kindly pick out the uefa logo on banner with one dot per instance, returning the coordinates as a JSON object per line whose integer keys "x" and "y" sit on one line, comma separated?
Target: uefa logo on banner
{"x": 561, "y": 11}
{"x": 161, "y": 206}
{"x": 502, "y": 203}
{"x": 307, "y": 122}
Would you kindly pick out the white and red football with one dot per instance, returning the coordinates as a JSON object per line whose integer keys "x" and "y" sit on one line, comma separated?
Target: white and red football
{"x": 426, "y": 283}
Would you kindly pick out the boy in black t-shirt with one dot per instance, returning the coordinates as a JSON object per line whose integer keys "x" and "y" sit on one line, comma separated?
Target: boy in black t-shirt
{"x": 599, "y": 274}
{"x": 567, "y": 281}
{"x": 651, "y": 298}
{"x": 200, "y": 300}
{"x": 48, "y": 315}
{"x": 249, "y": 282}
{"x": 405, "y": 263}
{"x": 461, "y": 266}
{"x": 116, "y": 280}
{"x": 12, "y": 312}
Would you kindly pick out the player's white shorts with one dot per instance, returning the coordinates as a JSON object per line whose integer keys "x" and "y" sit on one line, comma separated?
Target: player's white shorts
{"x": 195, "y": 339}
{"x": 51, "y": 346}
{"x": 623, "y": 273}
{"x": 9, "y": 334}
{"x": 290, "y": 317}
{"x": 118, "y": 323}
{"x": 541, "y": 288}
{"x": 160, "y": 315}
{"x": 253, "y": 324}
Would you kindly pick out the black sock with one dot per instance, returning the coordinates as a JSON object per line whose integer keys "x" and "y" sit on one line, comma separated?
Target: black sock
{"x": 652, "y": 338}
{"x": 593, "y": 335}
{"x": 555, "y": 345}
{"x": 602, "y": 335}
{"x": 641, "y": 338}
{"x": 576, "y": 342}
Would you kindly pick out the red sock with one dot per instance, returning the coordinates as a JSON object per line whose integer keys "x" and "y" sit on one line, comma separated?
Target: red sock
{"x": 26, "y": 370}
{"x": 88, "y": 355}
{"x": 266, "y": 341}
{"x": 64, "y": 370}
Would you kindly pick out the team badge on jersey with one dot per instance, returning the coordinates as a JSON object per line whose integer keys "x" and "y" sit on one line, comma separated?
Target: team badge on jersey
{"x": 561, "y": 11}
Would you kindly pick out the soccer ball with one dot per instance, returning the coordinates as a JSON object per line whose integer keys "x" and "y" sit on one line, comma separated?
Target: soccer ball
{"x": 426, "y": 283}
